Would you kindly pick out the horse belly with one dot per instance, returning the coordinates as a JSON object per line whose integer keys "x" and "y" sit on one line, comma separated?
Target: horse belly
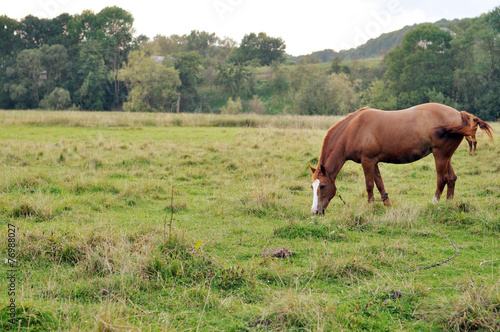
{"x": 405, "y": 156}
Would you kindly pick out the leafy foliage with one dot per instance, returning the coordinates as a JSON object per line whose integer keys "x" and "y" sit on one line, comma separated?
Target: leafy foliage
{"x": 451, "y": 62}
{"x": 58, "y": 99}
{"x": 232, "y": 106}
{"x": 262, "y": 48}
{"x": 152, "y": 86}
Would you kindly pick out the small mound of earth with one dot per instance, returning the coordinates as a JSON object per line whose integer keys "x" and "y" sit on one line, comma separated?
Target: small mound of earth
{"x": 277, "y": 252}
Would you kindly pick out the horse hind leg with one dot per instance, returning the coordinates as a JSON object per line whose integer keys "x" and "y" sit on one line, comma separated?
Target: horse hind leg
{"x": 452, "y": 178}
{"x": 442, "y": 177}
{"x": 380, "y": 186}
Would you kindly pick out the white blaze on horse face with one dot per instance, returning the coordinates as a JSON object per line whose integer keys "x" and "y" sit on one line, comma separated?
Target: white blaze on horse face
{"x": 315, "y": 186}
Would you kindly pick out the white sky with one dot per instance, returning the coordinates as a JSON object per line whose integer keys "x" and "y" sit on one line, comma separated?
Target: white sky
{"x": 306, "y": 26}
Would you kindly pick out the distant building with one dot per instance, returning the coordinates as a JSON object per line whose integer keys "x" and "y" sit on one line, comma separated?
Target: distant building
{"x": 42, "y": 76}
{"x": 158, "y": 58}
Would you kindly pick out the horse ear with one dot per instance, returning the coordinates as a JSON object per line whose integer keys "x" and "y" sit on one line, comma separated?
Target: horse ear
{"x": 313, "y": 170}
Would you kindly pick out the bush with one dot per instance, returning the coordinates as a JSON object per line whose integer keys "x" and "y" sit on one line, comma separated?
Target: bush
{"x": 257, "y": 106}
{"x": 232, "y": 107}
{"x": 321, "y": 94}
{"x": 59, "y": 99}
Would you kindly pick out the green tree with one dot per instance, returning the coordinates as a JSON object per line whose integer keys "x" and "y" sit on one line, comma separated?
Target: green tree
{"x": 163, "y": 46}
{"x": 152, "y": 86}
{"x": 423, "y": 62}
{"x": 110, "y": 32}
{"x": 36, "y": 32}
{"x": 337, "y": 66}
{"x": 379, "y": 96}
{"x": 477, "y": 76}
{"x": 58, "y": 34}
{"x": 322, "y": 94}
{"x": 301, "y": 75}
{"x": 25, "y": 75}
{"x": 115, "y": 26}
{"x": 10, "y": 40}
{"x": 55, "y": 62}
{"x": 261, "y": 47}
{"x": 231, "y": 78}
{"x": 10, "y": 45}
{"x": 83, "y": 28}
{"x": 59, "y": 99}
{"x": 201, "y": 42}
{"x": 309, "y": 60}
{"x": 280, "y": 82}
{"x": 95, "y": 78}
{"x": 188, "y": 66}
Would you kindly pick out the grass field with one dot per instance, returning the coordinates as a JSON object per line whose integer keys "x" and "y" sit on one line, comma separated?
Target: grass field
{"x": 157, "y": 222}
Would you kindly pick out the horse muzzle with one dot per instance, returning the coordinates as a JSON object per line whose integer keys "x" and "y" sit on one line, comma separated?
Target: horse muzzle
{"x": 317, "y": 211}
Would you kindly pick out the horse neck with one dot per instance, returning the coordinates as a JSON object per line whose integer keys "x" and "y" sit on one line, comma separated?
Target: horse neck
{"x": 333, "y": 150}
{"x": 333, "y": 159}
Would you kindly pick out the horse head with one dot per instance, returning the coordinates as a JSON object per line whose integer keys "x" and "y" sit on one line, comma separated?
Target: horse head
{"x": 323, "y": 189}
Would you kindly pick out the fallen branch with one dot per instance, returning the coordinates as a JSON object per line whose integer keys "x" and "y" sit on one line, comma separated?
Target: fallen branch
{"x": 434, "y": 265}
{"x": 494, "y": 260}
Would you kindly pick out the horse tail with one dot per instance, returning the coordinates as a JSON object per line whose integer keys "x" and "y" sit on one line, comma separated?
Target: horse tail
{"x": 468, "y": 127}
{"x": 485, "y": 126}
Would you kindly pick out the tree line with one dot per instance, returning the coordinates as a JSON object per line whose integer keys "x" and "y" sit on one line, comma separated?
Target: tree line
{"x": 93, "y": 61}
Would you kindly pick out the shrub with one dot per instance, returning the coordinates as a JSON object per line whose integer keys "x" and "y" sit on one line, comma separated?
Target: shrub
{"x": 232, "y": 106}
{"x": 333, "y": 94}
{"x": 257, "y": 106}
{"x": 59, "y": 99}
{"x": 478, "y": 308}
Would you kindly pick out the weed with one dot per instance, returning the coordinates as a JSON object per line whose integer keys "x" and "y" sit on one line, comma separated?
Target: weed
{"x": 37, "y": 209}
{"x": 478, "y": 308}
{"x": 229, "y": 278}
{"x": 352, "y": 268}
{"x": 310, "y": 231}
{"x": 30, "y": 316}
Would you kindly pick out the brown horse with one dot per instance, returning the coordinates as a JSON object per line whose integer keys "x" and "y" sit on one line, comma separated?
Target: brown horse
{"x": 471, "y": 140}
{"x": 369, "y": 136}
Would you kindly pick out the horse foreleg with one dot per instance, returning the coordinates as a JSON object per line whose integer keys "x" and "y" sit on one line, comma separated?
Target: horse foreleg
{"x": 474, "y": 143}
{"x": 380, "y": 187}
{"x": 369, "y": 170}
{"x": 469, "y": 141}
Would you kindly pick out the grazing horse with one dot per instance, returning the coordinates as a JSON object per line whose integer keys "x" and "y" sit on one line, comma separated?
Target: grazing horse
{"x": 369, "y": 136}
{"x": 472, "y": 144}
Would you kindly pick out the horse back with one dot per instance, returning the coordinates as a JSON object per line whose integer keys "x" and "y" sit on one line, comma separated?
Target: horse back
{"x": 398, "y": 136}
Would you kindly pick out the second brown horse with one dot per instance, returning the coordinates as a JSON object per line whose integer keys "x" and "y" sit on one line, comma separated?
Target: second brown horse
{"x": 369, "y": 136}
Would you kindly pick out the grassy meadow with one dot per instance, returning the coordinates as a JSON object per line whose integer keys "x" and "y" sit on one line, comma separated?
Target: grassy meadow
{"x": 160, "y": 222}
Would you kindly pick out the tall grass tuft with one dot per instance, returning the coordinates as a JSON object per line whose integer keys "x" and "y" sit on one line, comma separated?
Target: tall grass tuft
{"x": 477, "y": 309}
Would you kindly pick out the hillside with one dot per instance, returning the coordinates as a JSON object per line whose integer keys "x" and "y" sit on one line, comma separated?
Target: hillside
{"x": 373, "y": 48}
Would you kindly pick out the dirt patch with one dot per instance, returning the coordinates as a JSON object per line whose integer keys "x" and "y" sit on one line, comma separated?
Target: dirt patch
{"x": 277, "y": 252}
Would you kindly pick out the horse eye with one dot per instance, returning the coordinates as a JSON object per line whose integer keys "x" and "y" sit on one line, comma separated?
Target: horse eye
{"x": 322, "y": 187}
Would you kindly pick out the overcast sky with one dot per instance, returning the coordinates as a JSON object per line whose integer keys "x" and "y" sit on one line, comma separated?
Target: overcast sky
{"x": 306, "y": 26}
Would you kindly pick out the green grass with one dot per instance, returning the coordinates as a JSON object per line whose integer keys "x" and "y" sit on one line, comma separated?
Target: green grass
{"x": 90, "y": 196}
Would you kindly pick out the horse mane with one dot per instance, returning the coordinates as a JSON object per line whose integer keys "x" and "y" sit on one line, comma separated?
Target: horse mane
{"x": 338, "y": 128}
